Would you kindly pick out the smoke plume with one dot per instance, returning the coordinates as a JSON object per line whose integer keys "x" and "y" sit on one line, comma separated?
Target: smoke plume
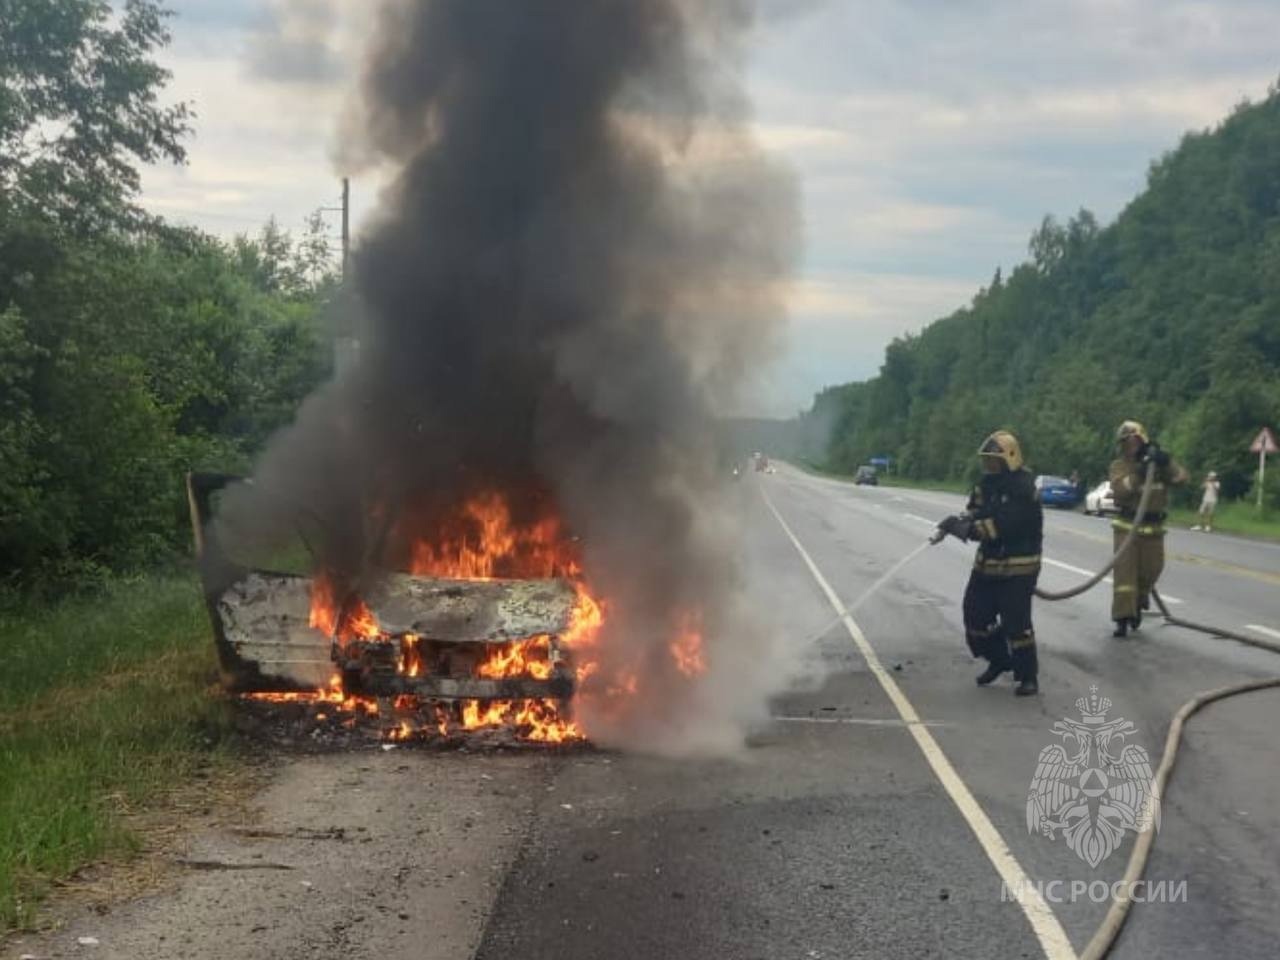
{"x": 576, "y": 269}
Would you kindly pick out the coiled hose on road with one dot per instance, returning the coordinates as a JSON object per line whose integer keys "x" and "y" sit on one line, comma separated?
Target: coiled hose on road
{"x": 1108, "y": 932}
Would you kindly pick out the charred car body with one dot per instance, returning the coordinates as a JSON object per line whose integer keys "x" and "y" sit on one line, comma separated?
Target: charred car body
{"x": 445, "y": 641}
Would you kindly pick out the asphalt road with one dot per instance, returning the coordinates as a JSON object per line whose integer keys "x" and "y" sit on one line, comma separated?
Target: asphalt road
{"x": 835, "y": 836}
{"x": 876, "y": 813}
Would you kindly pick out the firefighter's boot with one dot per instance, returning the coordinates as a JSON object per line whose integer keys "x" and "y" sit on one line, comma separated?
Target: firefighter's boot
{"x": 1026, "y": 666}
{"x": 990, "y": 674}
{"x": 995, "y": 649}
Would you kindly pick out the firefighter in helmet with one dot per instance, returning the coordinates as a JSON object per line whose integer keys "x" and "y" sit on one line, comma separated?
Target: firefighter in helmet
{"x": 1005, "y": 517}
{"x": 1138, "y": 569}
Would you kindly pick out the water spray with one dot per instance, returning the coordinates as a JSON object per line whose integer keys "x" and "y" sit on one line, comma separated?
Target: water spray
{"x": 847, "y": 610}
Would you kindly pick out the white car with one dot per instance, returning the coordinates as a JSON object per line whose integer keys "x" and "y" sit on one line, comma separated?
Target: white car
{"x": 1099, "y": 500}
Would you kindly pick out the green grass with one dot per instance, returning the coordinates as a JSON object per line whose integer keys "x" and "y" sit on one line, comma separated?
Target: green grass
{"x": 106, "y": 705}
{"x": 1236, "y": 517}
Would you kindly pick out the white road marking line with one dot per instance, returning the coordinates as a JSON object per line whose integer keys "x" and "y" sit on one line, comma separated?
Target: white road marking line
{"x": 1259, "y": 628}
{"x": 1089, "y": 573}
{"x": 1066, "y": 566}
{"x": 912, "y": 516}
{"x": 1053, "y": 939}
{"x": 864, "y": 721}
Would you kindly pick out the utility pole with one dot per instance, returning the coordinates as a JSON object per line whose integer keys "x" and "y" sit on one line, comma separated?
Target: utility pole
{"x": 345, "y": 344}
{"x": 346, "y": 224}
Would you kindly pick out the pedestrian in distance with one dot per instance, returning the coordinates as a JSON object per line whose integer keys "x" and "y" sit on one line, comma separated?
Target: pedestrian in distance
{"x": 1138, "y": 569}
{"x": 1208, "y": 502}
{"x": 1005, "y": 517}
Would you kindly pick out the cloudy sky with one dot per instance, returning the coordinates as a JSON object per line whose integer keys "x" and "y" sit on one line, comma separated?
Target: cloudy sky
{"x": 929, "y": 137}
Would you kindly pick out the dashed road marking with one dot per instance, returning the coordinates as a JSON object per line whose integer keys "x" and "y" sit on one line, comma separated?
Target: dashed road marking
{"x": 913, "y": 516}
{"x": 1053, "y": 939}
{"x": 1089, "y": 573}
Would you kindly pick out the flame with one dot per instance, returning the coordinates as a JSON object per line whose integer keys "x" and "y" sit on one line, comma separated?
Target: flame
{"x": 342, "y": 619}
{"x": 686, "y": 648}
{"x": 482, "y": 543}
{"x": 523, "y": 658}
{"x": 537, "y": 720}
{"x": 585, "y": 621}
{"x": 482, "y": 540}
{"x": 324, "y": 604}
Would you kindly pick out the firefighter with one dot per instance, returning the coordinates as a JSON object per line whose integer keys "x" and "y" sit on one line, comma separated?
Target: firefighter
{"x": 1004, "y": 516}
{"x": 1137, "y": 571}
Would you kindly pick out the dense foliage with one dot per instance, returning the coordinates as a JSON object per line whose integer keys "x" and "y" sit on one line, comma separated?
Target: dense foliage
{"x": 130, "y": 351}
{"x": 1170, "y": 315}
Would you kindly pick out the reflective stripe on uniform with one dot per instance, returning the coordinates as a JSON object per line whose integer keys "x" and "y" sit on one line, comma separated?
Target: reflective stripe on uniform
{"x": 1146, "y": 530}
{"x": 1007, "y": 566}
{"x": 1026, "y": 640}
{"x": 987, "y": 527}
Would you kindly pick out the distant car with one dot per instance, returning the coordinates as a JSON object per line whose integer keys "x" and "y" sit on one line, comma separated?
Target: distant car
{"x": 1100, "y": 500}
{"x": 762, "y": 462}
{"x": 1057, "y": 491}
{"x": 866, "y": 475}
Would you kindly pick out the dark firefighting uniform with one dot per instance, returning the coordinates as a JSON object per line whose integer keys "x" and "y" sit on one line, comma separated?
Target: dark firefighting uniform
{"x": 1137, "y": 571}
{"x": 1008, "y": 523}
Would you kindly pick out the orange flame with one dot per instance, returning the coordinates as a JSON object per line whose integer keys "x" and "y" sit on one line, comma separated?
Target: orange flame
{"x": 523, "y": 658}
{"x": 482, "y": 541}
{"x": 686, "y": 648}
{"x": 538, "y": 720}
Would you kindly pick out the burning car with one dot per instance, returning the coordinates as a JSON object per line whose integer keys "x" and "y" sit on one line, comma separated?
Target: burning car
{"x": 424, "y": 654}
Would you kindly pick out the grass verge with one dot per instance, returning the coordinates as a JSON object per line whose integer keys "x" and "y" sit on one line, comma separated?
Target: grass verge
{"x": 1235, "y": 517}
{"x": 105, "y": 707}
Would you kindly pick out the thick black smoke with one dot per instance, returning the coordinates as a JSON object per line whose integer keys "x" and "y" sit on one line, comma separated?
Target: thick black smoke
{"x": 576, "y": 269}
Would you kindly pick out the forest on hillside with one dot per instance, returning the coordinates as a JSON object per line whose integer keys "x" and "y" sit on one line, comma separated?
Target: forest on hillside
{"x": 1169, "y": 315}
{"x": 131, "y": 350}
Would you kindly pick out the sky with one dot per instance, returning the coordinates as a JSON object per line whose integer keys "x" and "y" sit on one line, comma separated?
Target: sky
{"x": 928, "y": 137}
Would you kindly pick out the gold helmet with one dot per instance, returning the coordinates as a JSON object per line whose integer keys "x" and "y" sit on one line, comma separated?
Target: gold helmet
{"x": 1004, "y": 445}
{"x": 1131, "y": 428}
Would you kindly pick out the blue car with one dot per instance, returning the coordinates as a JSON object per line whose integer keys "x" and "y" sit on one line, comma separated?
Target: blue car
{"x": 1057, "y": 491}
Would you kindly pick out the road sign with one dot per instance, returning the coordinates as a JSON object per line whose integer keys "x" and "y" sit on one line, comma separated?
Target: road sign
{"x": 1263, "y": 443}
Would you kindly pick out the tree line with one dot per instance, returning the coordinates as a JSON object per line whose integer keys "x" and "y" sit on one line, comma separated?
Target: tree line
{"x": 131, "y": 350}
{"x": 1169, "y": 315}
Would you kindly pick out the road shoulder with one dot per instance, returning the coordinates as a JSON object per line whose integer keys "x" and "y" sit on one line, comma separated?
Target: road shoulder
{"x": 383, "y": 853}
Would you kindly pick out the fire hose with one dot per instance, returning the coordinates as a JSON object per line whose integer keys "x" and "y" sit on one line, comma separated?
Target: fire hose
{"x": 1115, "y": 557}
{"x": 1108, "y": 932}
